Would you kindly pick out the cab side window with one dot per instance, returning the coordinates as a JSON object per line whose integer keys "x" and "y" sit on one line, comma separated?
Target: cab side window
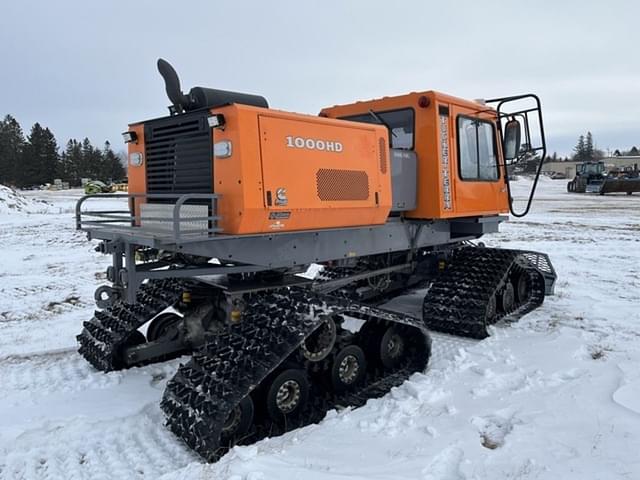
{"x": 477, "y": 150}
{"x": 400, "y": 123}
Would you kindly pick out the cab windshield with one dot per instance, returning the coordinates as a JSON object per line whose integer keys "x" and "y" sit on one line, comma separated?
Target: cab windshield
{"x": 592, "y": 168}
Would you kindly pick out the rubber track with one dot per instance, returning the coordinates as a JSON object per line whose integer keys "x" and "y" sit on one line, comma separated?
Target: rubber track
{"x": 236, "y": 361}
{"x": 456, "y": 302}
{"x": 103, "y": 335}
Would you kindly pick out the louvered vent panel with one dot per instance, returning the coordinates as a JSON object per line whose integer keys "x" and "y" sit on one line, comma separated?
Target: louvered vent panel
{"x": 178, "y": 154}
{"x": 333, "y": 184}
{"x": 382, "y": 145}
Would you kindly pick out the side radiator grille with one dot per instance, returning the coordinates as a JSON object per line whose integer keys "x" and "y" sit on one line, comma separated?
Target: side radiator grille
{"x": 333, "y": 184}
{"x": 178, "y": 154}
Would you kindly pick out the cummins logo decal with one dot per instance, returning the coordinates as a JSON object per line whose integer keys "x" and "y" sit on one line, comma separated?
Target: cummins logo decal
{"x": 314, "y": 144}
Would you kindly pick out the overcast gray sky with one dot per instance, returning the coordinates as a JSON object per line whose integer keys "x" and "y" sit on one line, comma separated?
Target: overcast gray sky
{"x": 87, "y": 68}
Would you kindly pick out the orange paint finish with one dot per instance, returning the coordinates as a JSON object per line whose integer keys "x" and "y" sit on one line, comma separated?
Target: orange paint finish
{"x": 298, "y": 172}
{"x": 238, "y": 178}
{"x": 291, "y": 172}
{"x": 137, "y": 181}
{"x": 441, "y": 191}
{"x": 477, "y": 198}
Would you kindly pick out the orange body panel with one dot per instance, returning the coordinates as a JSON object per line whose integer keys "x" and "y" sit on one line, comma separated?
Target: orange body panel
{"x": 441, "y": 191}
{"x": 137, "y": 179}
{"x": 289, "y": 171}
{"x": 333, "y": 180}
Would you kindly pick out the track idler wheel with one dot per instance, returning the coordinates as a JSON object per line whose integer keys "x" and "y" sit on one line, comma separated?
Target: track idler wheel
{"x": 319, "y": 344}
{"x": 384, "y": 346}
{"x": 238, "y": 422}
{"x": 105, "y": 296}
{"x": 287, "y": 395}
{"x": 164, "y": 326}
{"x": 349, "y": 368}
{"x": 393, "y": 347}
{"x": 523, "y": 287}
{"x": 508, "y": 298}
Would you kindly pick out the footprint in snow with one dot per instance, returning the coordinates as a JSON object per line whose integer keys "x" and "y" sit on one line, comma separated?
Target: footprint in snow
{"x": 493, "y": 429}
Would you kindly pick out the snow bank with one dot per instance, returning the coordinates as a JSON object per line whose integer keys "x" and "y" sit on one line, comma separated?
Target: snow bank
{"x": 13, "y": 202}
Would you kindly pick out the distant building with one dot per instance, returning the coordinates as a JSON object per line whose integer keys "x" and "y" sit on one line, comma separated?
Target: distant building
{"x": 569, "y": 168}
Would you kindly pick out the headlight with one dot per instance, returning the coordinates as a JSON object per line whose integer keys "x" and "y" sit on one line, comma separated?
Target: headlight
{"x": 222, "y": 149}
{"x": 136, "y": 159}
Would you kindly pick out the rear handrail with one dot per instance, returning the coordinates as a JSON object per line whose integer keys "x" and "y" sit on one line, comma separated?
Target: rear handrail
{"x": 128, "y": 218}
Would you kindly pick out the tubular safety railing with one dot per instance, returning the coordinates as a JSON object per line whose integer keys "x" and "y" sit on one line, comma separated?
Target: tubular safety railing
{"x": 172, "y": 217}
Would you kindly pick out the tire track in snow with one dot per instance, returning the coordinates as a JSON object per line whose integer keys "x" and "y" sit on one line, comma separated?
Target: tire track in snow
{"x": 34, "y": 376}
{"x": 135, "y": 447}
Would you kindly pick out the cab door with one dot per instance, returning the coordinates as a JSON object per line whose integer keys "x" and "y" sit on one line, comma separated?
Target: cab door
{"x": 480, "y": 187}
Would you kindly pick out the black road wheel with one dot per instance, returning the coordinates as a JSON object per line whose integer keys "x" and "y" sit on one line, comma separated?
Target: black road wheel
{"x": 104, "y": 296}
{"x": 163, "y": 326}
{"x": 318, "y": 345}
{"x": 392, "y": 347}
{"x": 287, "y": 394}
{"x": 569, "y": 187}
{"x": 238, "y": 422}
{"x": 508, "y": 298}
{"x": 349, "y": 368}
{"x": 523, "y": 287}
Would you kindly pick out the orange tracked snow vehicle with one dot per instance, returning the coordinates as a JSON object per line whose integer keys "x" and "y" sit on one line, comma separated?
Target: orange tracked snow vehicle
{"x": 230, "y": 202}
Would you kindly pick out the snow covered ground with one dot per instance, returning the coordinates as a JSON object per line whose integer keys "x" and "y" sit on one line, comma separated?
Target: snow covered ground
{"x": 556, "y": 395}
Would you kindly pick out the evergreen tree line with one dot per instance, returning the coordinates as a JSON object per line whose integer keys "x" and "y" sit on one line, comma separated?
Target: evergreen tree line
{"x": 36, "y": 159}
{"x": 586, "y": 151}
{"x": 633, "y": 151}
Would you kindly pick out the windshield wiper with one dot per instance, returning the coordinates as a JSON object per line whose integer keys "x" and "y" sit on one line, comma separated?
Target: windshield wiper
{"x": 382, "y": 122}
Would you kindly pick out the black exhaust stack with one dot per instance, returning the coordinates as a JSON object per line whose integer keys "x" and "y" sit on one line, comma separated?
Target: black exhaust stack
{"x": 172, "y": 85}
{"x": 200, "y": 97}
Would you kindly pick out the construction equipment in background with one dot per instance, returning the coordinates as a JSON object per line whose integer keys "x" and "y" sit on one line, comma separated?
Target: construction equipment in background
{"x": 58, "y": 184}
{"x": 592, "y": 178}
{"x": 96, "y": 186}
{"x": 121, "y": 186}
{"x": 230, "y": 205}
{"x": 622, "y": 180}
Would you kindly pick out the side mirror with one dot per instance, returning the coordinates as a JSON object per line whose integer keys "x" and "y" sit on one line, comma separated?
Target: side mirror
{"x": 511, "y": 145}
